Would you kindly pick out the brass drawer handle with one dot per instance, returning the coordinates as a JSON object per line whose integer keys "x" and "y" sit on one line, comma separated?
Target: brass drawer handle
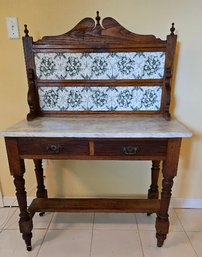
{"x": 52, "y": 148}
{"x": 130, "y": 150}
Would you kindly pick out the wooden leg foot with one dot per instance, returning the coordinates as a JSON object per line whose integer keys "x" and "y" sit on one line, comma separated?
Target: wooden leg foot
{"x": 25, "y": 229}
{"x": 27, "y": 238}
{"x": 160, "y": 239}
{"x": 162, "y": 227}
{"x": 29, "y": 248}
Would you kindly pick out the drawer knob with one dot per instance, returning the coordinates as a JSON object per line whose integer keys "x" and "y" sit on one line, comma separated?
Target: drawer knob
{"x": 52, "y": 148}
{"x": 130, "y": 150}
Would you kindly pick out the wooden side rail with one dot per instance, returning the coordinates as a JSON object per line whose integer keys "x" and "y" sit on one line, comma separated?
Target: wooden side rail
{"x": 94, "y": 205}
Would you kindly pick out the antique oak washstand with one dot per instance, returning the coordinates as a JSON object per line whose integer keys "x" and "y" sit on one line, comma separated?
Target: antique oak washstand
{"x": 97, "y": 92}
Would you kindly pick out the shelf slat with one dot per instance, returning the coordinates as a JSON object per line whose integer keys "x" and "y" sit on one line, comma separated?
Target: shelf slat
{"x": 94, "y": 205}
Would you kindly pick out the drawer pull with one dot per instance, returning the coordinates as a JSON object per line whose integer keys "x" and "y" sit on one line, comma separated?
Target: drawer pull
{"x": 130, "y": 150}
{"x": 52, "y": 148}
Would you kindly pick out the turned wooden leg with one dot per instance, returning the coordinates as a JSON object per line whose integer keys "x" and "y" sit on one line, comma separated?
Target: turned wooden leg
{"x": 162, "y": 221}
{"x": 25, "y": 222}
{"x": 41, "y": 191}
{"x": 153, "y": 192}
{"x": 169, "y": 172}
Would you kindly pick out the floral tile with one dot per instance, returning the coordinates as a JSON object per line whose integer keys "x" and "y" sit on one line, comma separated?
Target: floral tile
{"x": 90, "y": 98}
{"x": 91, "y": 66}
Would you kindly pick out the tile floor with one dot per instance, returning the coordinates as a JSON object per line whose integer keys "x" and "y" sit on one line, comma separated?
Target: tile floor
{"x": 102, "y": 235}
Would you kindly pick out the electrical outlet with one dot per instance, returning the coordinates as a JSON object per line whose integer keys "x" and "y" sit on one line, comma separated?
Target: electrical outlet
{"x": 12, "y": 27}
{"x": 44, "y": 162}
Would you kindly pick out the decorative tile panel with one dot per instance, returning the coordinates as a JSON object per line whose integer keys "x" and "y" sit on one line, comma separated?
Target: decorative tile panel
{"x": 91, "y": 98}
{"x": 91, "y": 66}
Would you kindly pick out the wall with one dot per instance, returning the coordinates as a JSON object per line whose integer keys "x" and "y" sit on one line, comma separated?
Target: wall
{"x": 83, "y": 178}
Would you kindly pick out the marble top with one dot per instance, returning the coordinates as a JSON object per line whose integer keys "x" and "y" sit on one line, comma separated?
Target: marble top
{"x": 98, "y": 127}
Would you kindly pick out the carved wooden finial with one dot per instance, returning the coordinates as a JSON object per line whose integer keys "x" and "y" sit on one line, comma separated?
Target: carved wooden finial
{"x": 26, "y": 31}
{"x": 98, "y": 19}
{"x": 172, "y": 29}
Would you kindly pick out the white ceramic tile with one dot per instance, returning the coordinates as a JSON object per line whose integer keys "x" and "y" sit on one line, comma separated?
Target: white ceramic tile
{"x": 12, "y": 244}
{"x": 196, "y": 239}
{"x": 116, "y": 243}
{"x": 38, "y": 221}
{"x": 42, "y": 222}
{"x": 148, "y": 222}
{"x": 67, "y": 243}
{"x": 115, "y": 221}
{"x": 121, "y": 98}
{"x": 72, "y": 221}
{"x": 119, "y": 65}
{"x": 191, "y": 219}
{"x": 177, "y": 244}
{"x": 5, "y": 215}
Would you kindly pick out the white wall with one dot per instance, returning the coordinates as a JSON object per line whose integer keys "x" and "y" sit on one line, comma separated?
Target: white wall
{"x": 82, "y": 178}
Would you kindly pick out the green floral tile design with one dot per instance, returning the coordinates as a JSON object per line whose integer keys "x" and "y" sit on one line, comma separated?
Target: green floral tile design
{"x": 108, "y": 98}
{"x": 91, "y": 66}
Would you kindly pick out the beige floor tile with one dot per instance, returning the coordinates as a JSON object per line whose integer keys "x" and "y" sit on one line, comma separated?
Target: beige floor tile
{"x": 196, "y": 241}
{"x": 38, "y": 222}
{"x": 116, "y": 243}
{"x": 148, "y": 222}
{"x": 66, "y": 243}
{"x": 115, "y": 221}
{"x": 12, "y": 244}
{"x": 114, "y": 235}
{"x": 177, "y": 244}
{"x": 72, "y": 221}
{"x": 191, "y": 219}
{"x": 5, "y": 216}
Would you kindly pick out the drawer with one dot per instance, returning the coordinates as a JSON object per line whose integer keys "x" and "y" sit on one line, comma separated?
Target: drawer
{"x": 130, "y": 148}
{"x": 53, "y": 146}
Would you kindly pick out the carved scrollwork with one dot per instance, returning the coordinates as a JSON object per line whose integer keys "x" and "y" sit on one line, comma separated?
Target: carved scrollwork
{"x": 168, "y": 75}
{"x": 32, "y": 97}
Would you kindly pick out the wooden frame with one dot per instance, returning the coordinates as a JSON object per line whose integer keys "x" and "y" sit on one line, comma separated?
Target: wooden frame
{"x": 24, "y": 141}
{"x": 88, "y": 36}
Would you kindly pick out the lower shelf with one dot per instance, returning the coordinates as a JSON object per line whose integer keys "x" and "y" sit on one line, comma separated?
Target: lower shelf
{"x": 94, "y": 205}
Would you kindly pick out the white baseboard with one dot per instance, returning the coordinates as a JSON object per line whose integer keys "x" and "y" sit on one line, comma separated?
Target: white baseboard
{"x": 1, "y": 201}
{"x": 11, "y": 201}
{"x": 194, "y": 203}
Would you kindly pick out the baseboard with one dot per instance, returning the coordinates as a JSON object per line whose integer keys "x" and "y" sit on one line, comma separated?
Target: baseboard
{"x": 11, "y": 201}
{"x": 194, "y": 203}
{"x": 1, "y": 201}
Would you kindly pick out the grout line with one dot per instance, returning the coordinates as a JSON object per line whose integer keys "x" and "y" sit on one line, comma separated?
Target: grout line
{"x": 91, "y": 243}
{"x": 186, "y": 233}
{"x": 138, "y": 231}
{"x": 43, "y": 239}
{"x": 191, "y": 244}
{"x": 8, "y": 218}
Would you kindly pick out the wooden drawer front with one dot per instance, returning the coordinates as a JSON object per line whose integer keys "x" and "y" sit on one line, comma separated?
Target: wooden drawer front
{"x": 53, "y": 146}
{"x": 130, "y": 148}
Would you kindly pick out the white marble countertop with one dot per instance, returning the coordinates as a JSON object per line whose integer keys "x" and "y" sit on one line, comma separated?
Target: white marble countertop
{"x": 95, "y": 126}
